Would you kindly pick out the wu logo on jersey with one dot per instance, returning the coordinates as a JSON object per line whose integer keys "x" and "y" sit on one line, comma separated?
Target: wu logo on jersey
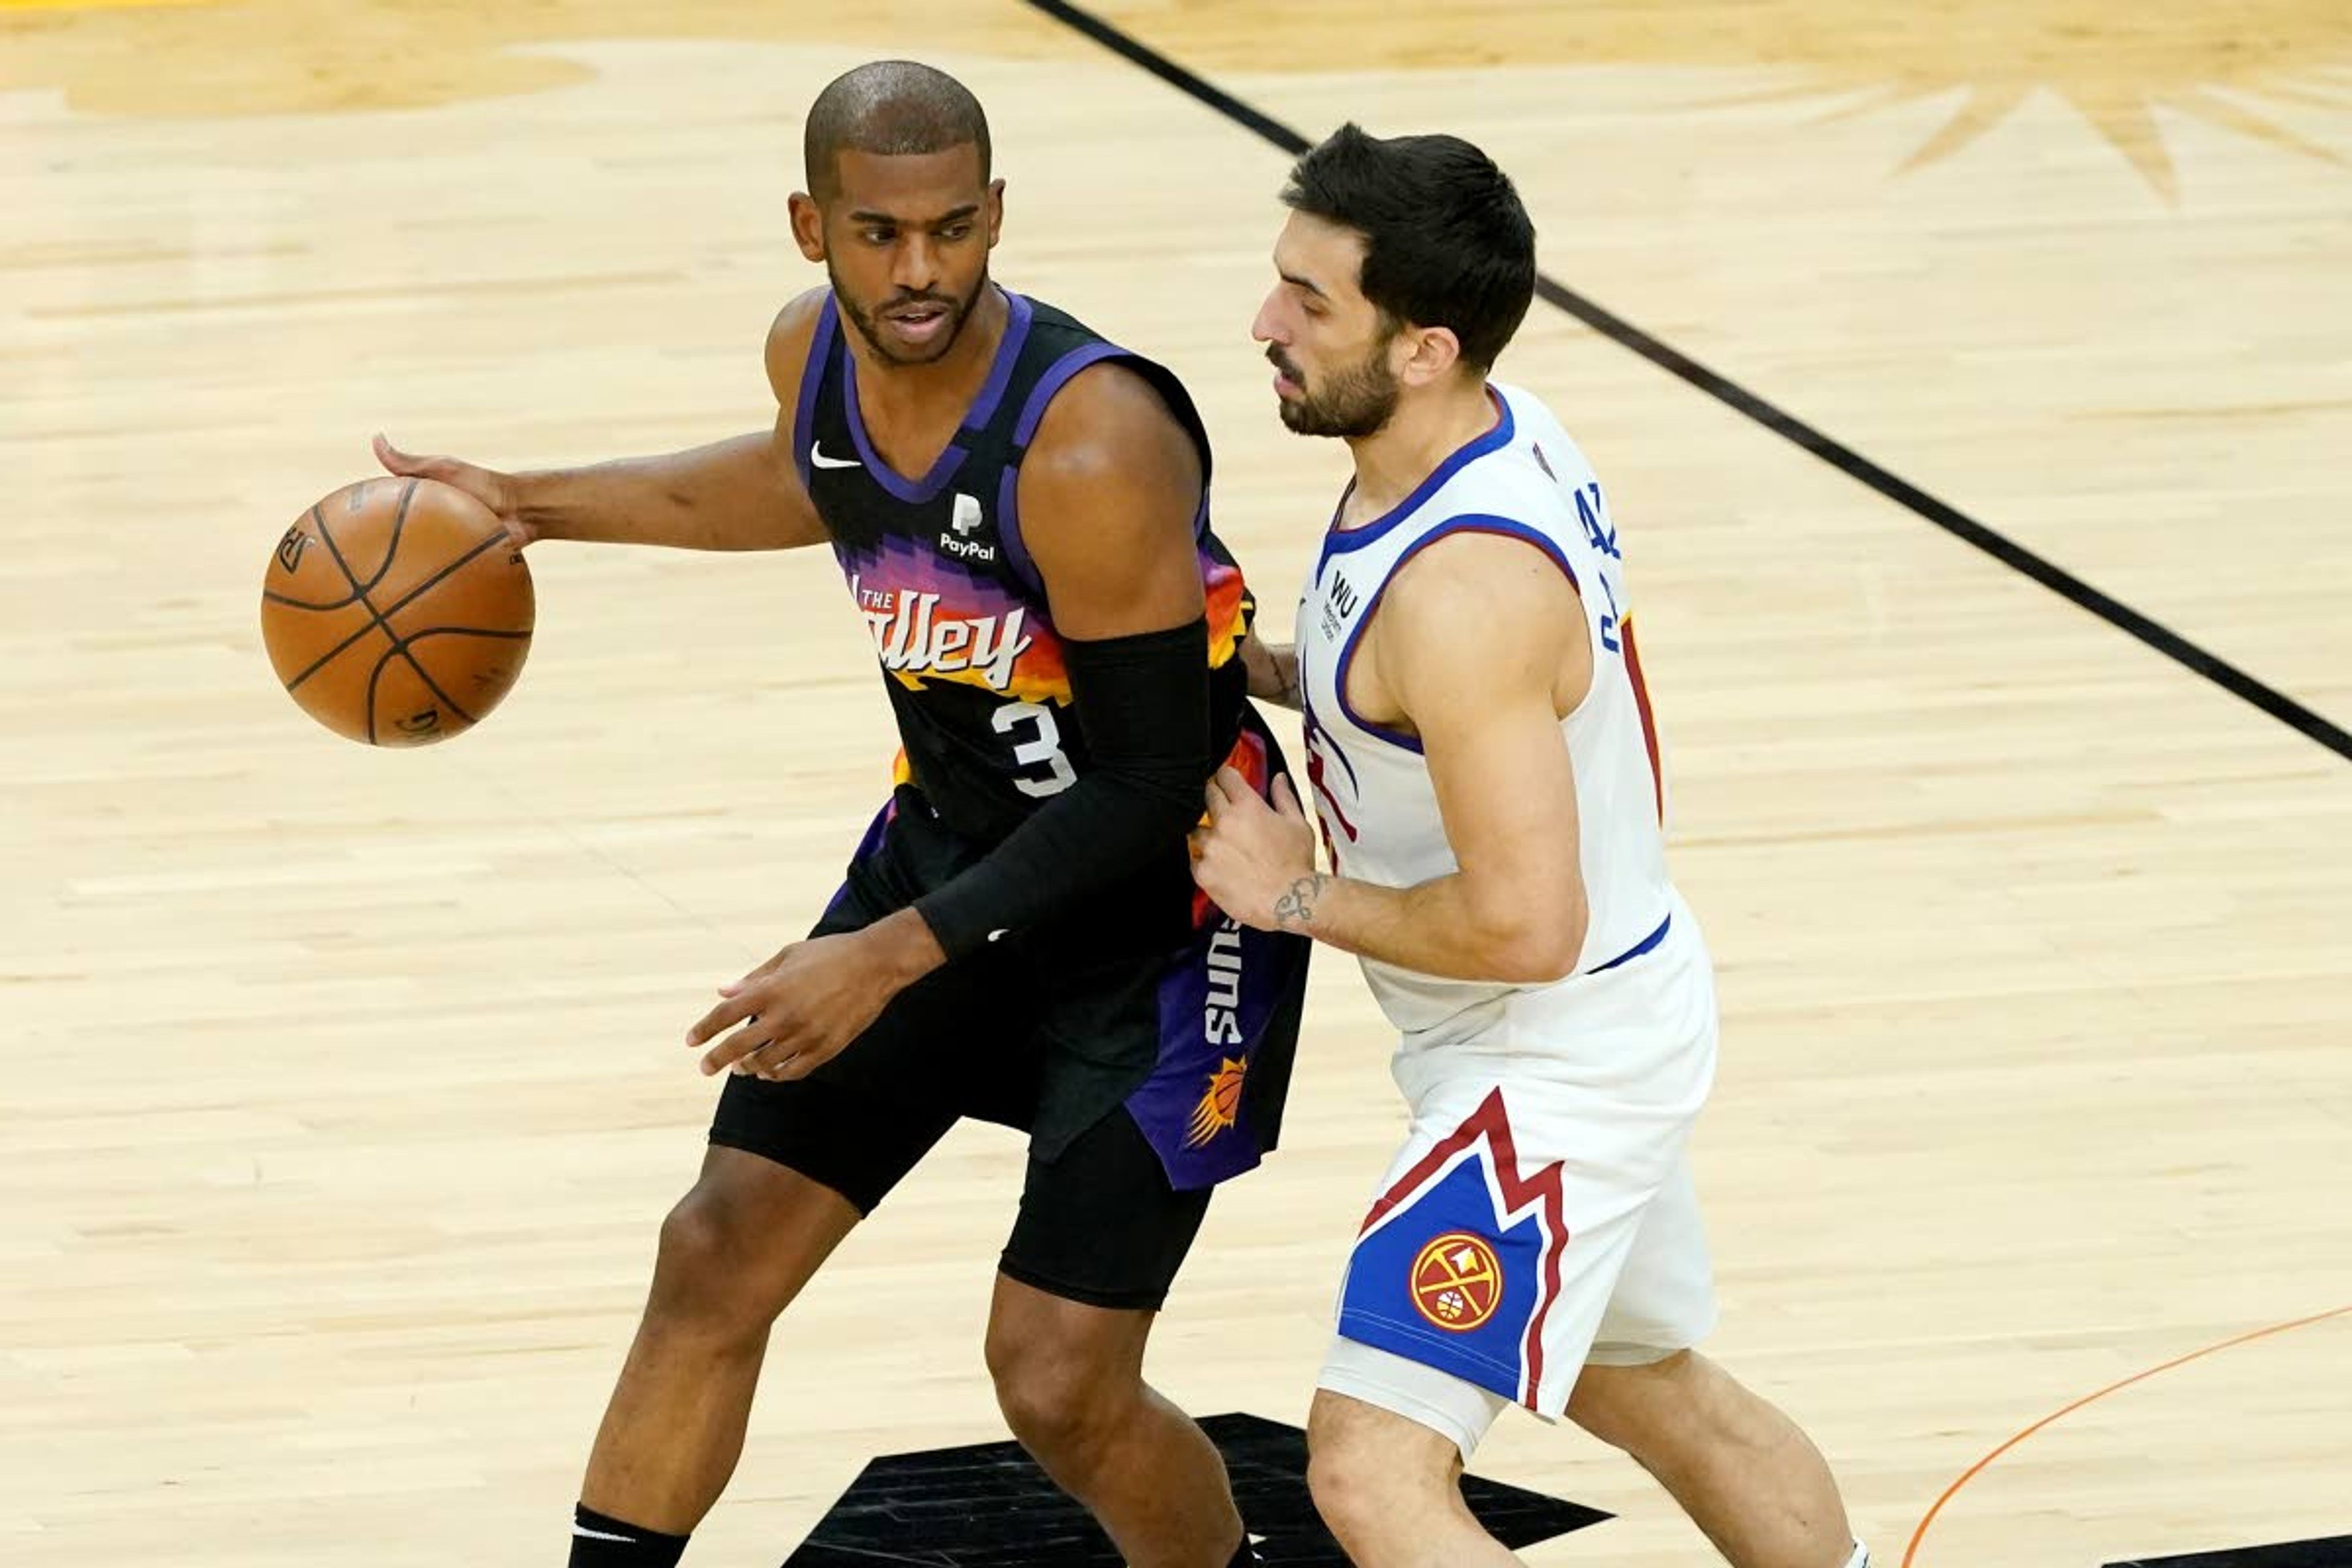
{"x": 964, "y": 517}
{"x": 1338, "y": 606}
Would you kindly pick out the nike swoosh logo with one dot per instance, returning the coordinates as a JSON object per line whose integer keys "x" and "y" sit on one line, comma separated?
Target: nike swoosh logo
{"x": 584, "y": 1533}
{"x": 816, "y": 456}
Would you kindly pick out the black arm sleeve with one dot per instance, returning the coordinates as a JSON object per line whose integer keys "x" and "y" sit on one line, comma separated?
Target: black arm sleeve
{"x": 1143, "y": 705}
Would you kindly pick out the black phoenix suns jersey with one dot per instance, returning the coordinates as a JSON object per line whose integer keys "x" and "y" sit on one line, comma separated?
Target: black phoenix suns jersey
{"x": 955, "y": 608}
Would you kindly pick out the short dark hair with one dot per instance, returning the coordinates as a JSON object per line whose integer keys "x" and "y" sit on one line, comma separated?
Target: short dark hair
{"x": 1446, "y": 241}
{"x": 893, "y": 108}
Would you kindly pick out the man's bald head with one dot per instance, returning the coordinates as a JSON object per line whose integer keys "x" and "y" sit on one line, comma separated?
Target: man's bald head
{"x": 892, "y": 108}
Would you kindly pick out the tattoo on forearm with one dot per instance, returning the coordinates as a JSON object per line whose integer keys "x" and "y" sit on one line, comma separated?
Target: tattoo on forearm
{"x": 1297, "y": 907}
{"x": 1286, "y": 674}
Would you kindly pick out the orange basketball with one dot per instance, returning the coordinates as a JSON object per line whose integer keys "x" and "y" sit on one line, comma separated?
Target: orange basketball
{"x": 397, "y": 611}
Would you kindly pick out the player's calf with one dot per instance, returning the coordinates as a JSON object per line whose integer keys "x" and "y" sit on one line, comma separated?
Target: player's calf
{"x": 1744, "y": 1472}
{"x": 733, "y": 1253}
{"x": 1069, "y": 1378}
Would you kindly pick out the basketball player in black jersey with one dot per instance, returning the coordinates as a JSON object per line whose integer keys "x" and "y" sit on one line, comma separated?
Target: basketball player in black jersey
{"x": 1020, "y": 508}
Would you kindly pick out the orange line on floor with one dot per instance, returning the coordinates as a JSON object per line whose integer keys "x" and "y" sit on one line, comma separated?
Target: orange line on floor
{"x": 1912, "y": 1550}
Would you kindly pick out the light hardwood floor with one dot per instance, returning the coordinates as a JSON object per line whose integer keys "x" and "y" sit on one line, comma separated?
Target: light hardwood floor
{"x": 343, "y": 1094}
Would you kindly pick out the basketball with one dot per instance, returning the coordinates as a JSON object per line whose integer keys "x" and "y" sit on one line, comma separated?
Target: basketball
{"x": 397, "y": 611}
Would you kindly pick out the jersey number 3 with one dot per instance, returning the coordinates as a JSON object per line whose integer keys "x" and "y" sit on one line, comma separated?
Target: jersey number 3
{"x": 1042, "y": 749}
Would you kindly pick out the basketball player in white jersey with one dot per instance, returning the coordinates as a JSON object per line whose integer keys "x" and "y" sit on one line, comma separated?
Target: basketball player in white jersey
{"x": 1483, "y": 760}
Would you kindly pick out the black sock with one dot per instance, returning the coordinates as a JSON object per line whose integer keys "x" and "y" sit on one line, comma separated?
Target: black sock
{"x": 1242, "y": 1556}
{"x": 600, "y": 1542}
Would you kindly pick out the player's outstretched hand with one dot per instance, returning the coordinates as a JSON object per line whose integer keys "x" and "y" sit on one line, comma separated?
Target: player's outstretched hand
{"x": 492, "y": 489}
{"x": 1250, "y": 858}
{"x": 796, "y": 1012}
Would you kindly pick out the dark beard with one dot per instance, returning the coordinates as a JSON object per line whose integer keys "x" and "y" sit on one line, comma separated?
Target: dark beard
{"x": 1352, "y": 405}
{"x": 959, "y": 313}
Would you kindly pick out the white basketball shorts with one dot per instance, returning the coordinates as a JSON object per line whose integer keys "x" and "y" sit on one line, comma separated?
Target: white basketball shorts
{"x": 1540, "y": 1215}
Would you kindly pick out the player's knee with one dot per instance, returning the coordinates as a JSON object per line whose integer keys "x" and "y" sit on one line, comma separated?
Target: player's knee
{"x": 1639, "y": 1408}
{"x": 1357, "y": 1491}
{"x": 1056, "y": 1400}
{"x": 706, "y": 1272}
{"x": 1345, "y": 1486}
{"x": 1369, "y": 1491}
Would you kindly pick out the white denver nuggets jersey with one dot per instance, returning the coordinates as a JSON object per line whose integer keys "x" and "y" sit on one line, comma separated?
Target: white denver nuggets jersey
{"x": 1526, "y": 480}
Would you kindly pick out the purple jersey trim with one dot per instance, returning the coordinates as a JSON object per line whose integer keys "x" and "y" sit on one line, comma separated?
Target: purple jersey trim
{"x": 1341, "y": 540}
{"x": 984, "y": 407}
{"x": 828, "y": 326}
{"x": 1469, "y": 522}
{"x": 1008, "y": 515}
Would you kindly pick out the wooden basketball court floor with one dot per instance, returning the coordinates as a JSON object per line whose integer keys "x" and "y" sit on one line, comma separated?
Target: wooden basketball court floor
{"x": 341, "y": 1088}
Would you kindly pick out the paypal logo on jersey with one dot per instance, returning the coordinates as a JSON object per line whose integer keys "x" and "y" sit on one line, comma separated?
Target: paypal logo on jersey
{"x": 964, "y": 519}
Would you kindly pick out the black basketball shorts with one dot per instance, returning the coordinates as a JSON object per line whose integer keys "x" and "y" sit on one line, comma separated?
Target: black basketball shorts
{"x": 1145, "y": 1073}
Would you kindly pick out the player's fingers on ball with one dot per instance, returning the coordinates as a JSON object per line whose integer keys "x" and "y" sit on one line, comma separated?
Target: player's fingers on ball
{"x": 1286, "y": 795}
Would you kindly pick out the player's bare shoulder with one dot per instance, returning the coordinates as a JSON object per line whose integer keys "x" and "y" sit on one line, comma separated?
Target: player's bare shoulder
{"x": 789, "y": 337}
{"x": 1477, "y": 574}
{"x": 1110, "y": 493}
{"x": 1474, "y": 607}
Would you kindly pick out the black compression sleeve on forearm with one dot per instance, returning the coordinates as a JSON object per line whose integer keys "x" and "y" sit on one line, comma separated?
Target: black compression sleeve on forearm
{"x": 1143, "y": 706}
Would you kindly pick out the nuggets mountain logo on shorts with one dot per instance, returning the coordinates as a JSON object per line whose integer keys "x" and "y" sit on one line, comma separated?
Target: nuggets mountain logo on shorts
{"x": 1457, "y": 1281}
{"x": 1221, "y": 1103}
{"x": 1459, "y": 1260}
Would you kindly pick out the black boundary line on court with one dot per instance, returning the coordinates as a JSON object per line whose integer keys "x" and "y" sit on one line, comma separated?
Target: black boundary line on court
{"x": 1910, "y": 497}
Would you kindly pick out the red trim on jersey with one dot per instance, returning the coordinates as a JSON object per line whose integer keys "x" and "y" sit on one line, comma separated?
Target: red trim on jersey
{"x": 1641, "y": 706}
{"x": 1492, "y": 1122}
